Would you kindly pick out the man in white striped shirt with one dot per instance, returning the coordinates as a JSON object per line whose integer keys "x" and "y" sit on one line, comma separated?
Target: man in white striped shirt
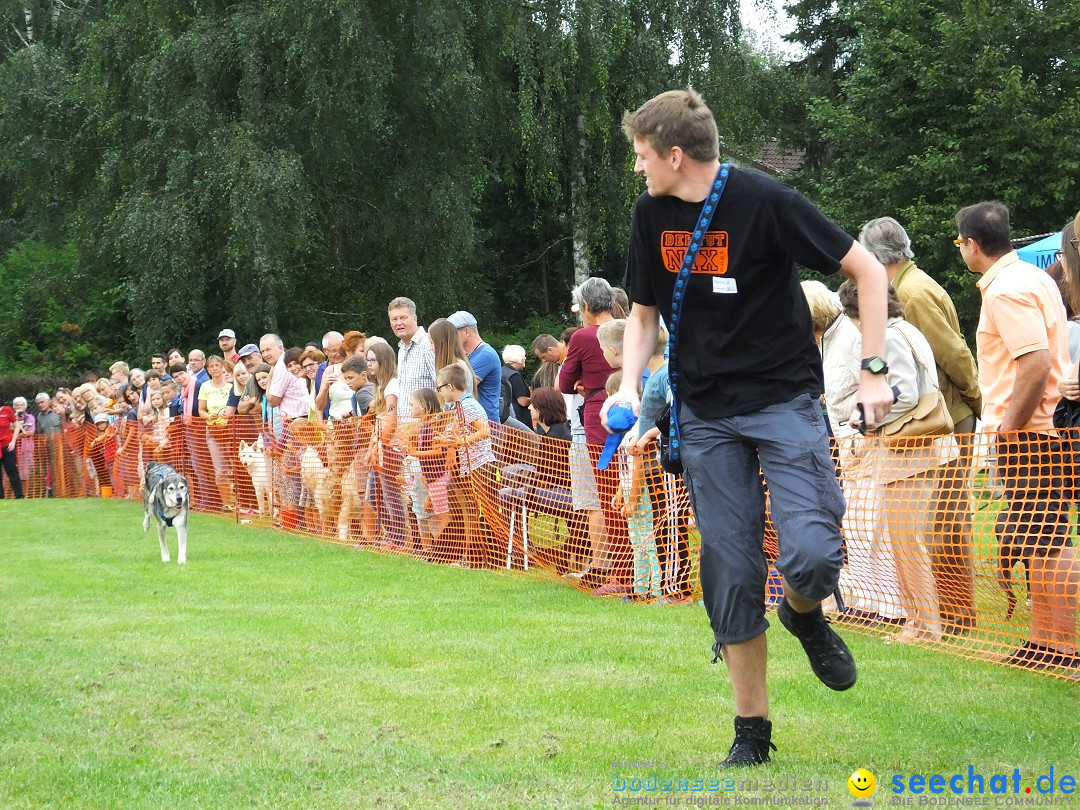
{"x": 416, "y": 355}
{"x": 286, "y": 393}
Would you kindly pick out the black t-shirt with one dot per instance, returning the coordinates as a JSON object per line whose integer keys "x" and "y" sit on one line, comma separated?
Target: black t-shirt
{"x": 513, "y": 380}
{"x": 745, "y": 336}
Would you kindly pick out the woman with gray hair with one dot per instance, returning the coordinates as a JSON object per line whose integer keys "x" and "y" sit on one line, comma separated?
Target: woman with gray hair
{"x": 887, "y": 240}
{"x": 585, "y": 371}
{"x": 24, "y": 448}
{"x": 513, "y": 382}
{"x": 928, "y": 308}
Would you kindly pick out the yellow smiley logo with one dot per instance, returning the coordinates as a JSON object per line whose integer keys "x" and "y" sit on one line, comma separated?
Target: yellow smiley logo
{"x": 862, "y": 784}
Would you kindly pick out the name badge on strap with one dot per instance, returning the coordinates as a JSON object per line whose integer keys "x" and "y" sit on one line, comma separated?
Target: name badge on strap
{"x": 724, "y": 285}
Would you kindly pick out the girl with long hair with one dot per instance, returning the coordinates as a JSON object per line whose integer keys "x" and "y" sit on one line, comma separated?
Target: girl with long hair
{"x": 384, "y": 456}
{"x": 448, "y": 350}
{"x": 213, "y": 399}
{"x": 431, "y": 461}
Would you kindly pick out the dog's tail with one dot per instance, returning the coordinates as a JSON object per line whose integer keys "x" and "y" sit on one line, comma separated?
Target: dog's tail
{"x": 1008, "y": 554}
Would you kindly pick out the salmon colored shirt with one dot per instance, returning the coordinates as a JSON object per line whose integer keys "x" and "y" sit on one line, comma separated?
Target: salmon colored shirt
{"x": 1022, "y": 312}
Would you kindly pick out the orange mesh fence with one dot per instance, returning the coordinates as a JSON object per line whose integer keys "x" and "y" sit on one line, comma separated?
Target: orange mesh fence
{"x": 960, "y": 543}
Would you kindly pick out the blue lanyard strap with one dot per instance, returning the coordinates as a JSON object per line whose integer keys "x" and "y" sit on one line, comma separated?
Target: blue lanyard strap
{"x": 677, "y": 295}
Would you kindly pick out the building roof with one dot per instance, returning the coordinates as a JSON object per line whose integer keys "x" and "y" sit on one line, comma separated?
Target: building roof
{"x": 775, "y": 159}
{"x": 772, "y": 158}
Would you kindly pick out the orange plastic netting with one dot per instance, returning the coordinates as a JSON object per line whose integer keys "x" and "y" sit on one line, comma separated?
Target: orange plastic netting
{"x": 960, "y": 543}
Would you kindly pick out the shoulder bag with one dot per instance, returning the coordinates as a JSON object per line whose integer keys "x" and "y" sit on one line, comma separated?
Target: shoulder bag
{"x": 929, "y": 417}
{"x": 1067, "y": 414}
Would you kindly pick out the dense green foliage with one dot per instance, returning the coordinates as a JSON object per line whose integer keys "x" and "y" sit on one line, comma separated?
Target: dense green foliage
{"x": 166, "y": 169}
{"x": 924, "y": 108}
{"x": 294, "y": 165}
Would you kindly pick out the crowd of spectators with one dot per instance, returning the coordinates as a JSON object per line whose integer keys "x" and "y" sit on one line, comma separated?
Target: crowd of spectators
{"x": 436, "y": 414}
{"x": 423, "y": 420}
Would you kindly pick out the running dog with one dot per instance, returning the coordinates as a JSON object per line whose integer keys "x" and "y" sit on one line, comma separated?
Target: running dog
{"x": 165, "y": 499}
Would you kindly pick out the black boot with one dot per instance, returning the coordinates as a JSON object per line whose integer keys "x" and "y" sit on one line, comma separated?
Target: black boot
{"x": 753, "y": 739}
{"x": 829, "y": 656}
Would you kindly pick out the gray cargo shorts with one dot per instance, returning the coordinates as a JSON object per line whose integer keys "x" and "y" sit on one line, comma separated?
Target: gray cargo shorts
{"x": 724, "y": 459}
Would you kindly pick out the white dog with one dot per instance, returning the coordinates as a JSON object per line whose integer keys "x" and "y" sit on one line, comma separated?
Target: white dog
{"x": 165, "y": 498}
{"x": 253, "y": 457}
{"x": 353, "y": 503}
{"x": 319, "y": 483}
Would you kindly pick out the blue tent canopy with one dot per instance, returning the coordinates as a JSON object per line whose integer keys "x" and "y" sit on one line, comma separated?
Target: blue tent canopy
{"x": 1041, "y": 253}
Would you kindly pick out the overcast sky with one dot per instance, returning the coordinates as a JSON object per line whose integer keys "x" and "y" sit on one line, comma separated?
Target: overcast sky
{"x": 766, "y": 21}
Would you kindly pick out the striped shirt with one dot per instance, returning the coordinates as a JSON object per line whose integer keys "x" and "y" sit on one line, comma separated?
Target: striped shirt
{"x": 416, "y": 369}
{"x": 292, "y": 390}
{"x": 474, "y": 455}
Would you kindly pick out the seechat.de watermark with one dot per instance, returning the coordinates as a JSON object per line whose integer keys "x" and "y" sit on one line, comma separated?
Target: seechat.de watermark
{"x": 970, "y": 789}
{"x": 998, "y": 789}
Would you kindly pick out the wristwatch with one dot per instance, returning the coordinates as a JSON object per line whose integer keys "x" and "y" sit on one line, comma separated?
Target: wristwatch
{"x": 875, "y": 365}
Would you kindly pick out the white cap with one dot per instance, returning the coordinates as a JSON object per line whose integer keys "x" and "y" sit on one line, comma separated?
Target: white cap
{"x": 229, "y": 333}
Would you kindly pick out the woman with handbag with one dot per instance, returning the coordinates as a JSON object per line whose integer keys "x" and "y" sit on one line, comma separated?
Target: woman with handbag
{"x": 868, "y": 581}
{"x": 912, "y": 444}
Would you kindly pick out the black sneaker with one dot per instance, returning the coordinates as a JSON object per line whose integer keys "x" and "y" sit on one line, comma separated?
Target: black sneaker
{"x": 829, "y": 656}
{"x": 753, "y": 739}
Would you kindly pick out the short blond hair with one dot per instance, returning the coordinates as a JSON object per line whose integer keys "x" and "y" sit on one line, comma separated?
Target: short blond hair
{"x": 824, "y": 304}
{"x": 453, "y": 375}
{"x": 614, "y": 383}
{"x": 661, "y": 342}
{"x": 675, "y": 118}
{"x": 610, "y": 334}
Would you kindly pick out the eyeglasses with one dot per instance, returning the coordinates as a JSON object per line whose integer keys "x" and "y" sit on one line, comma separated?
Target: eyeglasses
{"x": 372, "y": 361}
{"x": 441, "y": 387}
{"x": 1057, "y": 255}
{"x": 958, "y": 242}
{"x": 309, "y": 365}
{"x": 1075, "y": 242}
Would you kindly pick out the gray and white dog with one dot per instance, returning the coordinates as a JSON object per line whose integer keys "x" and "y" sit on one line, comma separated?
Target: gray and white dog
{"x": 165, "y": 499}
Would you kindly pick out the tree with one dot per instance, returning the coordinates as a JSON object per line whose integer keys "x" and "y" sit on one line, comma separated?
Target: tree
{"x": 292, "y": 166}
{"x": 945, "y": 107}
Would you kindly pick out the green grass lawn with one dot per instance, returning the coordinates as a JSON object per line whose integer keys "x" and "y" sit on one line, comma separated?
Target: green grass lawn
{"x": 277, "y": 671}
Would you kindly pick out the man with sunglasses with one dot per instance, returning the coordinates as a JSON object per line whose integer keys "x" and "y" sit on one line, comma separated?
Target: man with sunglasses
{"x": 1023, "y": 352}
